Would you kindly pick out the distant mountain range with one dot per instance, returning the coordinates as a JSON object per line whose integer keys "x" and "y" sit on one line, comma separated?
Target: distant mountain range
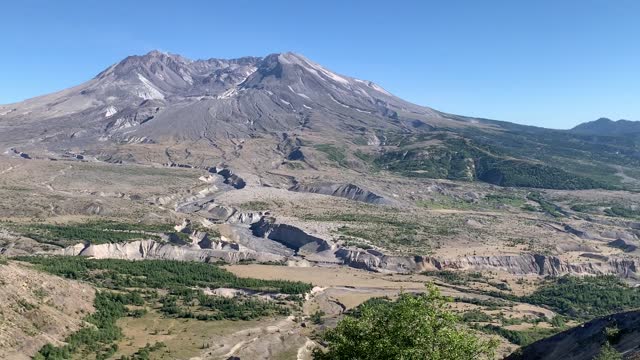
{"x": 286, "y": 113}
{"x": 604, "y": 126}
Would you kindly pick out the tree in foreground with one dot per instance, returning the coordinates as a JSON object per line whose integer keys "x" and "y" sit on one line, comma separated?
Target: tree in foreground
{"x": 412, "y": 327}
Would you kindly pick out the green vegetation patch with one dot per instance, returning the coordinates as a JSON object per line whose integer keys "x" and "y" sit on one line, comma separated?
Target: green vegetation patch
{"x": 463, "y": 159}
{"x": 94, "y": 232}
{"x": 333, "y": 153}
{"x": 439, "y": 162}
{"x": 494, "y": 201}
{"x": 389, "y": 231}
{"x": 96, "y": 339}
{"x": 172, "y": 288}
{"x": 455, "y": 277}
{"x": 518, "y": 337}
{"x": 580, "y": 298}
{"x": 194, "y": 304}
{"x": 586, "y": 297}
{"x": 260, "y": 205}
{"x": 620, "y": 211}
{"x": 519, "y": 173}
{"x": 546, "y": 206}
{"x": 156, "y": 274}
{"x": 464, "y": 278}
{"x": 145, "y": 352}
{"x": 412, "y": 327}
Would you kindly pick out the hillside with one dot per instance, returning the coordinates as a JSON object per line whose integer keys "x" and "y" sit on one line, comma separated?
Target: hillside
{"x": 587, "y": 340}
{"x": 38, "y": 308}
{"x": 607, "y": 127}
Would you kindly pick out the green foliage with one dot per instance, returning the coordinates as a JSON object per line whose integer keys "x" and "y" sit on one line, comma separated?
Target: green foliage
{"x": 464, "y": 159}
{"x": 145, "y": 352}
{"x": 476, "y": 315}
{"x": 585, "y": 155}
{"x": 390, "y": 231}
{"x": 256, "y": 205}
{"x": 558, "y": 322}
{"x": 176, "y": 279}
{"x": 495, "y": 201}
{"x": 619, "y": 211}
{"x": 455, "y": 277}
{"x": 582, "y": 208}
{"x": 412, "y": 327}
{"x": 25, "y": 305}
{"x": 504, "y": 199}
{"x": 333, "y": 153}
{"x": 612, "y": 334}
{"x": 489, "y": 304}
{"x": 509, "y": 172}
{"x": 316, "y": 317}
{"x": 349, "y": 241}
{"x": 546, "y": 206}
{"x": 93, "y": 339}
{"x": 586, "y": 297}
{"x": 608, "y": 352}
{"x": 454, "y": 161}
{"x": 518, "y": 337}
{"x": 194, "y": 304}
{"x": 464, "y": 278}
{"x": 95, "y": 232}
{"x": 156, "y": 274}
{"x": 366, "y": 157}
{"x": 581, "y": 298}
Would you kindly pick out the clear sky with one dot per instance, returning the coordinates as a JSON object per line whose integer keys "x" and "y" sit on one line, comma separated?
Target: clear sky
{"x": 552, "y": 63}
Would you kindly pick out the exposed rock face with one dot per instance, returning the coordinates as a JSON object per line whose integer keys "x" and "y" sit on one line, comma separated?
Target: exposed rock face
{"x": 347, "y": 191}
{"x": 585, "y": 341}
{"x": 579, "y": 233}
{"x": 242, "y": 235}
{"x": 289, "y": 236}
{"x": 149, "y": 249}
{"x": 526, "y": 264}
{"x": 374, "y": 261}
{"x": 623, "y": 245}
{"x": 230, "y": 178}
{"x": 290, "y": 148}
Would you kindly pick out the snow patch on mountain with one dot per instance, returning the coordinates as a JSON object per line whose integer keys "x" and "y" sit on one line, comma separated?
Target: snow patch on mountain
{"x": 149, "y": 91}
{"x": 111, "y": 110}
{"x": 297, "y": 93}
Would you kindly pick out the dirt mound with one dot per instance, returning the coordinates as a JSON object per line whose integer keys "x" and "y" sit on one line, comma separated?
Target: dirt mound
{"x": 347, "y": 191}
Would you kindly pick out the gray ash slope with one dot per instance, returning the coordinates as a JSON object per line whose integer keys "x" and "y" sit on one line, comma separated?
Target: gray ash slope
{"x": 282, "y": 106}
{"x": 161, "y": 96}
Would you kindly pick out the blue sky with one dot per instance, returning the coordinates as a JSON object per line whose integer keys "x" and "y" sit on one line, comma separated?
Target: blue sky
{"x": 547, "y": 63}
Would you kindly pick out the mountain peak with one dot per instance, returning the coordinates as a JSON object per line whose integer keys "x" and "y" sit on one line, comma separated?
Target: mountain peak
{"x": 156, "y": 53}
{"x": 149, "y": 95}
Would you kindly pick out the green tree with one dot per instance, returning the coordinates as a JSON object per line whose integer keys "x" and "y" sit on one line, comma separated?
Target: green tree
{"x": 608, "y": 352}
{"x": 412, "y": 327}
